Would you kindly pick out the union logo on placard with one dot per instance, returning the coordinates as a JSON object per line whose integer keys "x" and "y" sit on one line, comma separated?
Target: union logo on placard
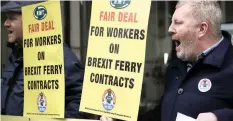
{"x": 41, "y": 102}
{"x": 108, "y": 100}
{"x": 119, "y": 4}
{"x": 40, "y": 12}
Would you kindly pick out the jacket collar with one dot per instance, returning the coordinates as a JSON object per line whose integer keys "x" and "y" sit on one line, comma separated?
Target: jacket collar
{"x": 216, "y": 57}
{"x": 17, "y": 53}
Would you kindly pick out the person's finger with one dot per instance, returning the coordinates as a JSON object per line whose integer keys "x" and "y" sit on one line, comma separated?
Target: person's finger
{"x": 110, "y": 119}
{"x": 103, "y": 118}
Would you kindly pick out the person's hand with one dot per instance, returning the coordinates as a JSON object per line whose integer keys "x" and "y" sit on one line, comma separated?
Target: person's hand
{"x": 206, "y": 117}
{"x": 103, "y": 118}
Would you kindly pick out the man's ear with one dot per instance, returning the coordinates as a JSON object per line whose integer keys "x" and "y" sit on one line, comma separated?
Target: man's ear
{"x": 203, "y": 27}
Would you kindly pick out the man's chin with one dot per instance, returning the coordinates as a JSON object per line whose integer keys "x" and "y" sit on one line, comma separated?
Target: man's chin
{"x": 186, "y": 58}
{"x": 181, "y": 56}
{"x": 10, "y": 40}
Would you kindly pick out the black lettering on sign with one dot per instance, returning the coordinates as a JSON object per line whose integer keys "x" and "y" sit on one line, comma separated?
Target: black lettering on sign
{"x": 128, "y": 66}
{"x": 28, "y": 43}
{"x": 48, "y": 40}
{"x": 41, "y": 55}
{"x": 52, "y": 69}
{"x": 111, "y": 80}
{"x": 114, "y": 48}
{"x": 43, "y": 84}
{"x": 32, "y": 70}
{"x": 97, "y": 31}
{"x": 99, "y": 62}
{"x": 131, "y": 83}
{"x": 142, "y": 33}
{"x": 126, "y": 33}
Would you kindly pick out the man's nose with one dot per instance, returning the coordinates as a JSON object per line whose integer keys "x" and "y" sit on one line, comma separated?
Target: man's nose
{"x": 6, "y": 23}
{"x": 171, "y": 30}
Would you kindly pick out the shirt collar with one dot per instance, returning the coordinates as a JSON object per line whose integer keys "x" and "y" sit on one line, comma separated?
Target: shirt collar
{"x": 205, "y": 52}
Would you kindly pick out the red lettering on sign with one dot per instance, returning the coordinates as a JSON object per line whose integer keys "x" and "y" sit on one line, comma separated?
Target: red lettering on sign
{"x": 33, "y": 28}
{"x": 127, "y": 17}
{"x": 107, "y": 16}
{"x": 47, "y": 25}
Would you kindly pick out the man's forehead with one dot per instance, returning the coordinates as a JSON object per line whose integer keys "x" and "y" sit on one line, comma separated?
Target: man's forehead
{"x": 12, "y": 13}
{"x": 182, "y": 11}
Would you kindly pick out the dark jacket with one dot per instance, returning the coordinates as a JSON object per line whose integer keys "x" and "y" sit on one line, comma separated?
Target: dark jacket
{"x": 183, "y": 95}
{"x": 12, "y": 85}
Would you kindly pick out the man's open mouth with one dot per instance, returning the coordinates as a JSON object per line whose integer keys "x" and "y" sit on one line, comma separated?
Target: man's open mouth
{"x": 177, "y": 43}
{"x": 10, "y": 32}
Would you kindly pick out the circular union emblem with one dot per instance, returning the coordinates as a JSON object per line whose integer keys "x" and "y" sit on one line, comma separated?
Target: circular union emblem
{"x": 40, "y": 12}
{"x": 119, "y": 4}
{"x": 41, "y": 102}
{"x": 204, "y": 85}
{"x": 108, "y": 99}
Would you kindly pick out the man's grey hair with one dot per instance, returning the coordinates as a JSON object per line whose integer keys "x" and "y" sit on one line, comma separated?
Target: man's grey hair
{"x": 206, "y": 11}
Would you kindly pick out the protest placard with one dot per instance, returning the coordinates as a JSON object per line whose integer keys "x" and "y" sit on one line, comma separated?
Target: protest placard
{"x": 43, "y": 60}
{"x": 115, "y": 58}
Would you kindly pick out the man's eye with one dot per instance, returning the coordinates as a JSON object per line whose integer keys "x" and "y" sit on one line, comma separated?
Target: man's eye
{"x": 177, "y": 22}
{"x": 12, "y": 18}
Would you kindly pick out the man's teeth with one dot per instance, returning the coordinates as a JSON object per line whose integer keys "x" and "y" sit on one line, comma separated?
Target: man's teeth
{"x": 177, "y": 43}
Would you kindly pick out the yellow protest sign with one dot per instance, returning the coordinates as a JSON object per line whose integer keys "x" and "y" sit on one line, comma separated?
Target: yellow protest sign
{"x": 39, "y": 119}
{"x": 115, "y": 58}
{"x": 13, "y": 118}
{"x": 43, "y": 60}
{"x": 20, "y": 118}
